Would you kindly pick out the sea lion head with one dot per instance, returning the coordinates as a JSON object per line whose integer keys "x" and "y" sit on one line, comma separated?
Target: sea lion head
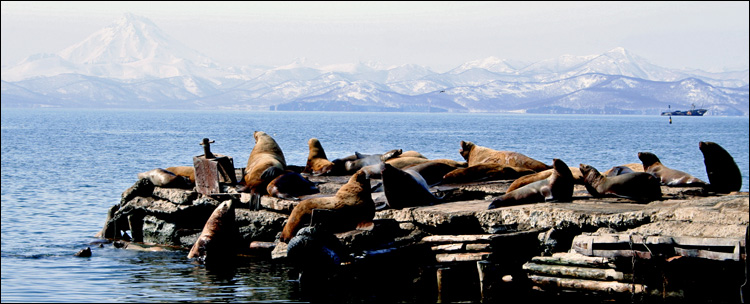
{"x": 391, "y": 154}
{"x": 591, "y": 178}
{"x": 648, "y": 159}
{"x": 561, "y": 181}
{"x": 316, "y": 149}
{"x": 465, "y": 150}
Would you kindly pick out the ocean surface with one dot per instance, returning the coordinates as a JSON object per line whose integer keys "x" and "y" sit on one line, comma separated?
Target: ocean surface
{"x": 62, "y": 170}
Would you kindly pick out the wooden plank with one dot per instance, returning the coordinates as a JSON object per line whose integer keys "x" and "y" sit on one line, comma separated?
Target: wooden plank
{"x": 587, "y": 285}
{"x": 477, "y": 247}
{"x": 698, "y": 241}
{"x": 458, "y": 238}
{"x": 708, "y": 254}
{"x": 461, "y": 247}
{"x": 576, "y": 272}
{"x": 574, "y": 259}
{"x": 461, "y": 257}
{"x": 448, "y": 247}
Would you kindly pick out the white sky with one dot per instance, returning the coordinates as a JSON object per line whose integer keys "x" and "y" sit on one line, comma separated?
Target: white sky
{"x": 440, "y": 35}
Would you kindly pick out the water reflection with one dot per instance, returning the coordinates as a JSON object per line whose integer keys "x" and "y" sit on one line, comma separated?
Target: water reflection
{"x": 170, "y": 276}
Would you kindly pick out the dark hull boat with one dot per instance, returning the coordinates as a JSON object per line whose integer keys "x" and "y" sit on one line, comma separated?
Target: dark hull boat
{"x": 692, "y": 112}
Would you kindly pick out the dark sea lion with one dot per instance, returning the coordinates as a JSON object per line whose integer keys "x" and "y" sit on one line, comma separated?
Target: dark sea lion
{"x": 530, "y": 178}
{"x": 364, "y": 160}
{"x": 432, "y": 171}
{"x": 186, "y": 171}
{"x": 84, "y": 253}
{"x": 484, "y": 172}
{"x": 353, "y": 204}
{"x": 405, "y": 188}
{"x": 622, "y": 169}
{"x": 163, "y": 178}
{"x": 723, "y": 174}
{"x": 317, "y": 162}
{"x": 317, "y": 255}
{"x": 291, "y": 185}
{"x": 558, "y": 186}
{"x": 265, "y": 163}
{"x": 638, "y": 186}
{"x": 667, "y": 176}
{"x": 474, "y": 155}
{"x": 339, "y": 165}
{"x": 217, "y": 242}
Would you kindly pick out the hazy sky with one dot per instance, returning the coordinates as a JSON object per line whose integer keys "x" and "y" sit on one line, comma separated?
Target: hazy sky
{"x": 439, "y": 35}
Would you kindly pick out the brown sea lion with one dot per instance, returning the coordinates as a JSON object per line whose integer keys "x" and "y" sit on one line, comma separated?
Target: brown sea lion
{"x": 411, "y": 153}
{"x": 484, "y": 172}
{"x": 405, "y": 188}
{"x": 163, "y": 178}
{"x": 667, "y": 176}
{"x": 638, "y": 186}
{"x": 474, "y": 155}
{"x": 723, "y": 174}
{"x": 558, "y": 186}
{"x": 530, "y": 178}
{"x": 317, "y": 162}
{"x": 622, "y": 169}
{"x": 353, "y": 204}
{"x": 186, "y": 171}
{"x": 265, "y": 163}
{"x": 217, "y": 241}
{"x": 404, "y": 161}
{"x": 291, "y": 185}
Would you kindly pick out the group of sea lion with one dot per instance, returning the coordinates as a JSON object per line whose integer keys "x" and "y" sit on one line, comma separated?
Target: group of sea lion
{"x": 407, "y": 177}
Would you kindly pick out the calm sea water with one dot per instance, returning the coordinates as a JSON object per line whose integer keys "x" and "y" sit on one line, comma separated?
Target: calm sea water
{"x": 62, "y": 170}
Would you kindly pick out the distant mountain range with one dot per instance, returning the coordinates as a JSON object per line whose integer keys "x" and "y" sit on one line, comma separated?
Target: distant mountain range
{"x": 133, "y": 64}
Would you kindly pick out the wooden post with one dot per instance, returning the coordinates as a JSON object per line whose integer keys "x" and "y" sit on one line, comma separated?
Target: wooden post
{"x": 486, "y": 280}
{"x": 440, "y": 274}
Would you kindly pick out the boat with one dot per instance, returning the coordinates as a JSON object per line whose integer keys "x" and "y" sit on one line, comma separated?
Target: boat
{"x": 692, "y": 112}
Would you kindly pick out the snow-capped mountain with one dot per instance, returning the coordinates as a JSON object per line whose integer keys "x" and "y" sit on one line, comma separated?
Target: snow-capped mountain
{"x": 131, "y": 48}
{"x": 133, "y": 64}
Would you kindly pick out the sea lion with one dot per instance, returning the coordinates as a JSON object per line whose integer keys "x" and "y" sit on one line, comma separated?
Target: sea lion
{"x": 291, "y": 185}
{"x": 558, "y": 186}
{"x": 475, "y": 154}
{"x": 352, "y": 202}
{"x": 412, "y": 153}
{"x": 404, "y": 161}
{"x": 374, "y": 170}
{"x": 265, "y": 163}
{"x": 638, "y": 186}
{"x": 216, "y": 243}
{"x": 84, "y": 253}
{"x": 667, "y": 176}
{"x": 317, "y": 162}
{"x": 339, "y": 165}
{"x": 723, "y": 174}
{"x": 186, "y": 171}
{"x": 484, "y": 172}
{"x": 530, "y": 178}
{"x": 163, "y": 178}
{"x": 364, "y": 160}
{"x": 405, "y": 188}
{"x": 622, "y": 169}
{"x": 432, "y": 171}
